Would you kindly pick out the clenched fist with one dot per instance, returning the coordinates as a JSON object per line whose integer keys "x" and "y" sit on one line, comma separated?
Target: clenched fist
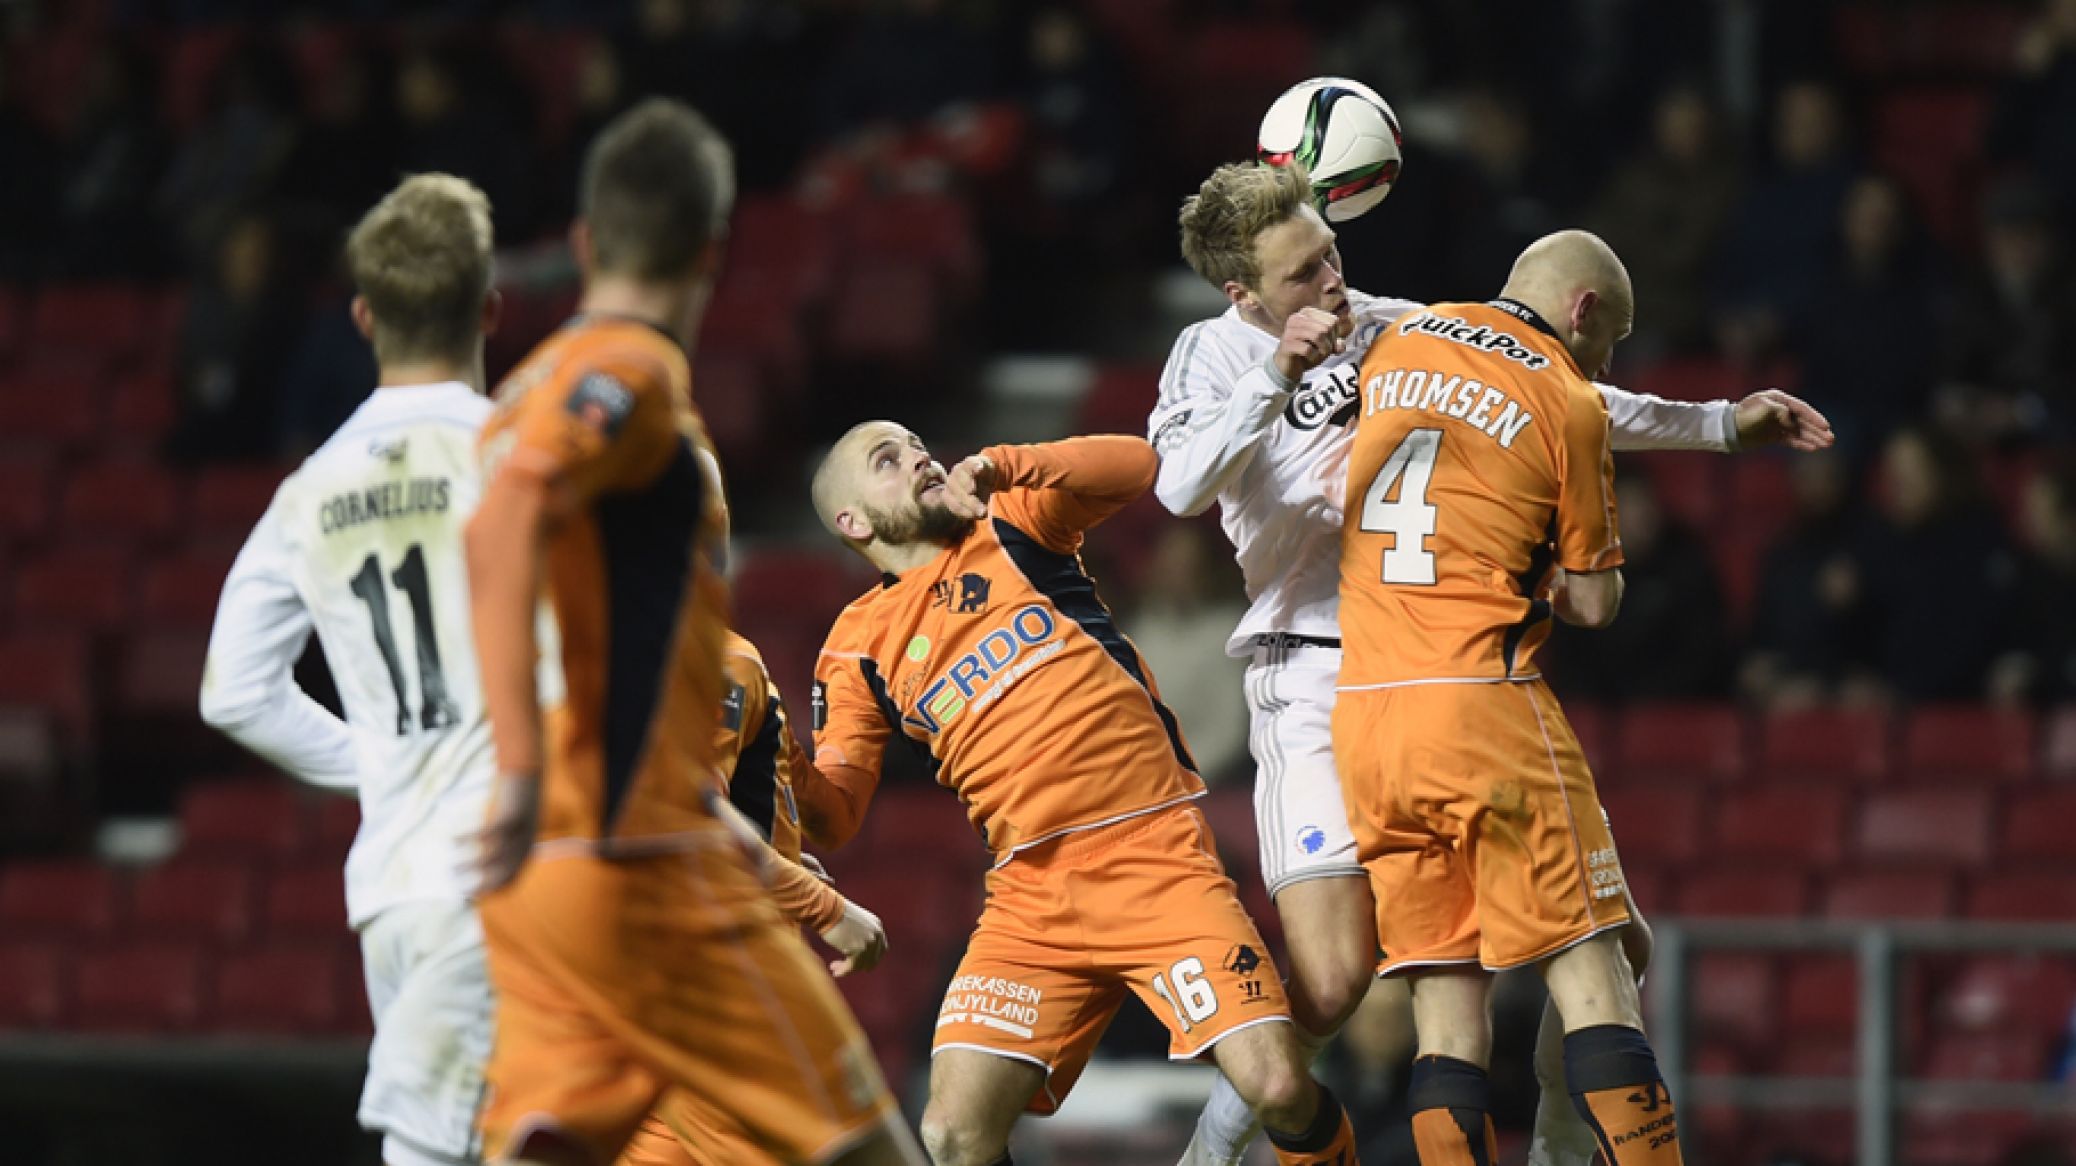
{"x": 1310, "y": 336}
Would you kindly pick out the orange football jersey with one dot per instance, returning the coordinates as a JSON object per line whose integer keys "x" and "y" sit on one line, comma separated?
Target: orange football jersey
{"x": 631, "y": 674}
{"x": 997, "y": 660}
{"x": 755, "y": 753}
{"x": 1481, "y": 459}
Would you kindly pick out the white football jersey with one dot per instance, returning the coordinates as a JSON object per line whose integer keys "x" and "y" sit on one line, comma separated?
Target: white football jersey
{"x": 363, "y": 544}
{"x": 1275, "y": 458}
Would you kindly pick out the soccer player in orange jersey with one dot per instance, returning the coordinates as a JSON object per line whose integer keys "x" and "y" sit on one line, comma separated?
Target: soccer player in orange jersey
{"x": 638, "y": 952}
{"x": 987, "y": 650}
{"x": 1481, "y": 503}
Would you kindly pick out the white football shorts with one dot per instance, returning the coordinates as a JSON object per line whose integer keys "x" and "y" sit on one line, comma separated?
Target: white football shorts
{"x": 1298, "y": 812}
{"x": 429, "y": 991}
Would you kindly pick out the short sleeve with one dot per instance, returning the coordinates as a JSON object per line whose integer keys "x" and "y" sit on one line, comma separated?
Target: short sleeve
{"x": 743, "y": 710}
{"x": 606, "y": 424}
{"x": 849, "y": 722}
{"x": 1589, "y": 536}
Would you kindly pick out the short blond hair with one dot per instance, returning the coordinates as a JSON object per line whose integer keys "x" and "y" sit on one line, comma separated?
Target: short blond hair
{"x": 421, "y": 260}
{"x": 1234, "y": 206}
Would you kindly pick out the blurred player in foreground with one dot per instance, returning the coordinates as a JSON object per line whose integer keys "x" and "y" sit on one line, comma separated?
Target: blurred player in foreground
{"x": 363, "y": 544}
{"x": 1480, "y": 463}
{"x": 987, "y": 650}
{"x": 1256, "y": 412}
{"x": 638, "y": 953}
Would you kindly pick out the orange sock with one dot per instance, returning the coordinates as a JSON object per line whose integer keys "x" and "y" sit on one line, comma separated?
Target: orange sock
{"x": 1329, "y": 1142}
{"x": 1615, "y": 1086}
{"x": 1452, "y": 1119}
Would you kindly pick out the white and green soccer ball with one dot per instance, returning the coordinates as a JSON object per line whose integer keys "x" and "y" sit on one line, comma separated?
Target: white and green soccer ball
{"x": 1346, "y": 137}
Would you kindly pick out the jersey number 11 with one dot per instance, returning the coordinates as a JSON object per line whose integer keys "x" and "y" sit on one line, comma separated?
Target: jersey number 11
{"x": 435, "y": 711}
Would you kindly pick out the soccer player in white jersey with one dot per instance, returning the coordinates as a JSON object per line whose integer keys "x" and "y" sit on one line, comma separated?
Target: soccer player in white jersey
{"x": 1255, "y": 413}
{"x": 363, "y": 544}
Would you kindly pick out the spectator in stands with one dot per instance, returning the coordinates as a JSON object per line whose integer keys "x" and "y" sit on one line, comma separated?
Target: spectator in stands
{"x": 1511, "y": 194}
{"x": 721, "y": 57}
{"x": 455, "y": 119}
{"x": 1785, "y": 230}
{"x": 901, "y": 62}
{"x": 109, "y": 156}
{"x": 345, "y": 154}
{"x": 2034, "y": 121}
{"x": 2006, "y": 368}
{"x": 1670, "y": 643}
{"x": 327, "y": 376}
{"x": 1186, "y": 608}
{"x": 1933, "y": 573}
{"x": 1869, "y": 348}
{"x": 230, "y": 160}
{"x": 1665, "y": 211}
{"x": 1078, "y": 131}
{"x": 232, "y": 349}
{"x": 2039, "y": 660}
{"x": 1804, "y": 626}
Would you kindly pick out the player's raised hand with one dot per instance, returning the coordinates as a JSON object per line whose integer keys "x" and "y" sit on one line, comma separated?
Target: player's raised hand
{"x": 967, "y": 487}
{"x": 506, "y": 839}
{"x": 861, "y": 938}
{"x": 1772, "y": 417}
{"x": 1309, "y": 337}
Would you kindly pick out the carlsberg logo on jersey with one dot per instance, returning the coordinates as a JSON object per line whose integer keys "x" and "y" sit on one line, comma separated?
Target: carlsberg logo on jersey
{"x": 1003, "y": 657}
{"x": 1326, "y": 399}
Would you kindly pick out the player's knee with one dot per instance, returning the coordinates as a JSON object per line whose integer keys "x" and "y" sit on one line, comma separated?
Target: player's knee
{"x": 1324, "y": 1000}
{"x": 1283, "y": 1095}
{"x": 953, "y": 1139}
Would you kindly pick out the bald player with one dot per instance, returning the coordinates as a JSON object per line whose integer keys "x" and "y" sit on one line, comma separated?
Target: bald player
{"x": 1480, "y": 504}
{"x": 987, "y": 650}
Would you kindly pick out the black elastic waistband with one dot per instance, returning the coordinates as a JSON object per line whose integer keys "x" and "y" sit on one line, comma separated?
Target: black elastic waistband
{"x": 1287, "y": 640}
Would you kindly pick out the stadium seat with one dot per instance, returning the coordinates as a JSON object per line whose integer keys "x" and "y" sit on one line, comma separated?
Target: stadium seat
{"x": 2015, "y": 1055}
{"x": 2058, "y": 744}
{"x": 193, "y": 899}
{"x": 1825, "y": 744}
{"x": 28, "y": 745}
{"x": 1993, "y": 994}
{"x": 731, "y": 401}
{"x": 181, "y": 592}
{"x": 32, "y": 985}
{"x": 1805, "y": 1054}
{"x": 308, "y": 900}
{"x": 1231, "y": 814}
{"x": 107, "y": 319}
{"x": 924, "y": 824}
{"x": 1821, "y": 996}
{"x": 2039, "y": 896}
{"x": 808, "y": 586}
{"x": 1689, "y": 379}
{"x": 1925, "y": 825}
{"x": 1968, "y": 742}
{"x": 1798, "y": 823}
{"x": 1120, "y": 397}
{"x": 886, "y": 313}
{"x": 2040, "y": 823}
{"x": 191, "y": 58}
{"x": 1744, "y": 891}
{"x": 1930, "y": 140}
{"x": 80, "y": 588}
{"x": 1679, "y": 742}
{"x": 1938, "y": 1136}
{"x": 934, "y": 229}
{"x": 338, "y": 820}
{"x": 228, "y": 500}
{"x": 49, "y": 410}
{"x": 354, "y": 1016}
{"x": 142, "y": 407}
{"x": 72, "y": 897}
{"x": 1762, "y": 497}
{"x": 28, "y": 493}
{"x": 1890, "y": 894}
{"x": 140, "y": 987}
{"x": 50, "y": 670}
{"x": 256, "y": 818}
{"x": 1736, "y": 995}
{"x": 159, "y": 673}
{"x": 764, "y": 332}
{"x": 1655, "y": 824}
{"x": 14, "y": 306}
{"x": 279, "y": 988}
{"x": 1688, "y": 487}
{"x": 776, "y": 237}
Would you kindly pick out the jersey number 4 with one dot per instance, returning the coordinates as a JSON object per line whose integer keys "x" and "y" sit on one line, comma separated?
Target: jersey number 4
{"x": 1410, "y": 519}
{"x": 435, "y": 711}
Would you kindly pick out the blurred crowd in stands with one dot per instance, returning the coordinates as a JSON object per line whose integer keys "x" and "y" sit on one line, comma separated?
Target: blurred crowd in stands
{"x": 1866, "y": 203}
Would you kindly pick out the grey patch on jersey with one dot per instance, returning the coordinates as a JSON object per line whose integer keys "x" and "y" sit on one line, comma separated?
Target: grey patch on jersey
{"x": 389, "y": 449}
{"x": 1172, "y": 431}
{"x": 602, "y": 402}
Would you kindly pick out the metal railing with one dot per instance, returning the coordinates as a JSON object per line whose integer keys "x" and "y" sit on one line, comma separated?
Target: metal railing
{"x": 1877, "y": 1088}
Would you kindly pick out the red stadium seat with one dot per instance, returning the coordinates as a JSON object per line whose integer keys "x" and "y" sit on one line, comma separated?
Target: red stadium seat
{"x": 307, "y": 901}
{"x": 1594, "y": 726}
{"x": 1890, "y": 894}
{"x": 1936, "y": 1136}
{"x": 1825, "y": 744}
{"x": 1737, "y": 995}
{"x": 1996, "y": 993}
{"x": 57, "y": 897}
{"x": 1762, "y": 497}
{"x": 28, "y": 493}
{"x": 160, "y": 673}
{"x": 1808, "y": 1054}
{"x": 2058, "y": 748}
{"x": 2040, "y": 823}
{"x": 1119, "y": 399}
{"x": 1691, "y": 379}
{"x": 2043, "y": 896}
{"x": 934, "y": 229}
{"x": 1230, "y": 812}
{"x": 1688, "y": 487}
{"x": 885, "y": 313}
{"x": 45, "y": 411}
{"x": 32, "y": 985}
{"x": 1931, "y": 141}
{"x": 2005, "y": 1056}
{"x": 143, "y": 408}
{"x": 49, "y": 670}
{"x": 181, "y": 592}
{"x": 1822, "y": 997}
{"x": 1679, "y": 742}
{"x": 281, "y": 988}
{"x": 1746, "y": 891}
{"x": 806, "y": 586}
{"x": 28, "y": 745}
{"x": 1949, "y": 742}
{"x": 925, "y": 824}
{"x": 78, "y": 588}
{"x": 1655, "y": 824}
{"x": 731, "y": 400}
{"x": 108, "y": 319}
{"x": 257, "y": 818}
{"x": 141, "y": 987}
{"x": 13, "y": 308}
{"x": 1927, "y": 825}
{"x": 228, "y": 500}
{"x": 338, "y": 820}
{"x": 1802, "y": 824}
{"x": 194, "y": 899}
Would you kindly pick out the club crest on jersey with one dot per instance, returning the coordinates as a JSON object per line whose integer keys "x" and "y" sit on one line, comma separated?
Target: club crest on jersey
{"x": 602, "y": 402}
{"x": 1001, "y": 658}
{"x": 966, "y": 595}
{"x": 1327, "y": 399}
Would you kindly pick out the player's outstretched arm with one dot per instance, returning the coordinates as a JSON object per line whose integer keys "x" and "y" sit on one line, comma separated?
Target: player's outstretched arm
{"x": 504, "y": 553}
{"x": 249, "y": 690}
{"x": 1073, "y": 484}
{"x": 1773, "y": 417}
{"x": 1640, "y": 422}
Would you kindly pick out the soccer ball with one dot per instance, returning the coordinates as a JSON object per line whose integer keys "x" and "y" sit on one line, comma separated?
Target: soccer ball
{"x": 1345, "y": 136}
